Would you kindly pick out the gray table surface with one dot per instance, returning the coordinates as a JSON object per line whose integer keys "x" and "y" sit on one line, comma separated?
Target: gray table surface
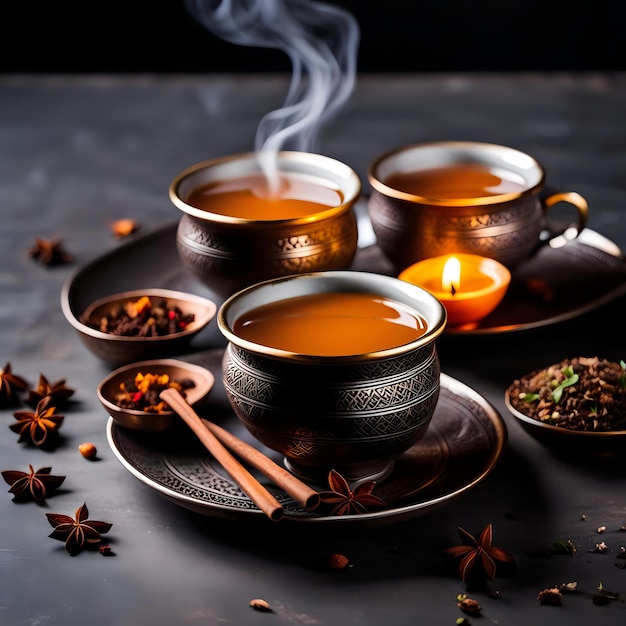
{"x": 78, "y": 152}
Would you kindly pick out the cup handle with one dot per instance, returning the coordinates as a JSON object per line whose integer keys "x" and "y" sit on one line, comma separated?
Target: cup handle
{"x": 558, "y": 235}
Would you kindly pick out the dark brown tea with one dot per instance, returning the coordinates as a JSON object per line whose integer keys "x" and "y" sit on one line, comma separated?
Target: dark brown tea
{"x": 249, "y": 197}
{"x": 456, "y": 181}
{"x": 332, "y": 324}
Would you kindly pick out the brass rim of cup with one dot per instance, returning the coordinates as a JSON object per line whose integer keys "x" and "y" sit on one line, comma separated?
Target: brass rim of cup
{"x": 457, "y": 146}
{"x": 300, "y": 161}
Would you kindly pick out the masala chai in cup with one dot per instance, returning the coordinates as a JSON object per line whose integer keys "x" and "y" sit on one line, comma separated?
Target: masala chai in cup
{"x": 334, "y": 370}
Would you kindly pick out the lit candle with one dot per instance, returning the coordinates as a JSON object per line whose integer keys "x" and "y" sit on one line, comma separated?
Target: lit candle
{"x": 468, "y": 285}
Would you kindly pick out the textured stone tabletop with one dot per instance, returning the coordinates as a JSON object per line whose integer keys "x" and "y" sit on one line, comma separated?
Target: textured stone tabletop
{"x": 77, "y": 153}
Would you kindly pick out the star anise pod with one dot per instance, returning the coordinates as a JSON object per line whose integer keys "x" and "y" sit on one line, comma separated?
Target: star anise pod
{"x": 479, "y": 556}
{"x": 345, "y": 501}
{"x": 39, "y": 426}
{"x": 78, "y": 532}
{"x": 59, "y": 391}
{"x": 31, "y": 485}
{"x": 49, "y": 252}
{"x": 10, "y": 385}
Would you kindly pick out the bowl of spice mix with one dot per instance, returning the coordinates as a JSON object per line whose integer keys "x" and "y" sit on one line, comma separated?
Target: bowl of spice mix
{"x": 130, "y": 394}
{"x": 142, "y": 324}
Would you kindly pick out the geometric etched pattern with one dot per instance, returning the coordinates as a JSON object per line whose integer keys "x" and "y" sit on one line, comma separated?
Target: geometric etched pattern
{"x": 312, "y": 414}
{"x": 224, "y": 254}
{"x": 507, "y": 232}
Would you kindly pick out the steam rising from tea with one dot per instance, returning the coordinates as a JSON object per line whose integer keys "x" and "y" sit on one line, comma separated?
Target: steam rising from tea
{"x": 321, "y": 41}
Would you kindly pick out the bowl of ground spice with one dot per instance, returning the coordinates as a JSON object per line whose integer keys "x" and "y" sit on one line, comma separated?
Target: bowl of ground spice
{"x": 143, "y": 324}
{"x": 130, "y": 394}
{"x": 577, "y": 402}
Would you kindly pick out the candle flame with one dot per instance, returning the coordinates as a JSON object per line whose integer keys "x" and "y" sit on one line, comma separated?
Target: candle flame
{"x": 451, "y": 275}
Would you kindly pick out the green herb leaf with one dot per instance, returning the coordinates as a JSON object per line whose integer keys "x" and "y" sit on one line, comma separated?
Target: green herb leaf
{"x": 571, "y": 379}
{"x": 565, "y": 546}
{"x": 531, "y": 397}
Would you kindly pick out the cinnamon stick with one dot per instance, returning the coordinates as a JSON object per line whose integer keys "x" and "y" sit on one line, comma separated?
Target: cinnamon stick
{"x": 299, "y": 491}
{"x": 249, "y": 485}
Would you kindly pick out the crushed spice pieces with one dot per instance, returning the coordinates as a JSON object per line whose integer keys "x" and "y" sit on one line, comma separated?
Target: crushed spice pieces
{"x": 337, "y": 561}
{"x": 345, "y": 501}
{"x": 41, "y": 426}
{"x": 78, "y": 532}
{"x": 586, "y": 394}
{"x": 564, "y": 546}
{"x": 478, "y": 557}
{"x": 600, "y": 548}
{"x": 10, "y": 386}
{"x": 105, "y": 549}
{"x": 603, "y": 596}
{"x": 88, "y": 450}
{"x": 550, "y": 597}
{"x": 141, "y": 393}
{"x": 58, "y": 390}
{"x": 144, "y": 318}
{"x": 468, "y": 605}
{"x": 258, "y": 604}
{"x": 49, "y": 252}
{"x": 32, "y": 485}
{"x": 124, "y": 227}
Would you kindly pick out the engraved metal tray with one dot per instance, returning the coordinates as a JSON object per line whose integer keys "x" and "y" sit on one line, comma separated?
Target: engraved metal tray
{"x": 556, "y": 284}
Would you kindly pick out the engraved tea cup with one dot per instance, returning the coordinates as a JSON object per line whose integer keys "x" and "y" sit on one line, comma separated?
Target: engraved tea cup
{"x": 236, "y": 245}
{"x": 351, "y": 412}
{"x": 434, "y": 198}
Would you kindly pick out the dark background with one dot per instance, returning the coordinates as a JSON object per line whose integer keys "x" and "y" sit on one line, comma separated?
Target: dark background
{"x": 160, "y": 36}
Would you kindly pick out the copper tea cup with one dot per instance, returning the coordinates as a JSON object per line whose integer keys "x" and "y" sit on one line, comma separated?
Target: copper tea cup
{"x": 229, "y": 252}
{"x": 418, "y": 219}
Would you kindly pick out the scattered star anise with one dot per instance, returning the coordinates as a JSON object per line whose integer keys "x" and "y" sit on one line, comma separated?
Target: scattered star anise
{"x": 49, "y": 252}
{"x": 59, "y": 391}
{"x": 124, "y": 227}
{"x": 479, "y": 556}
{"x": 345, "y": 501}
{"x": 40, "y": 426}
{"x": 10, "y": 385}
{"x": 78, "y": 532}
{"x": 31, "y": 485}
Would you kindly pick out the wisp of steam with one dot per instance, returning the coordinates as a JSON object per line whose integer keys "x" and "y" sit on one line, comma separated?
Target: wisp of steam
{"x": 321, "y": 41}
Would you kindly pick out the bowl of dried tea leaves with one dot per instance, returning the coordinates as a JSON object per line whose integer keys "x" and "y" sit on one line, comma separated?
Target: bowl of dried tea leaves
{"x": 576, "y": 402}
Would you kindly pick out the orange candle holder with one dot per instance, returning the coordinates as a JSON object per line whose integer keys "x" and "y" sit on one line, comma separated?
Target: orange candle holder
{"x": 468, "y": 285}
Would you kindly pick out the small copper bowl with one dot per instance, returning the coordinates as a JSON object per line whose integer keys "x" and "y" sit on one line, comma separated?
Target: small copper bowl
{"x": 109, "y": 388}
{"x": 228, "y": 253}
{"x": 119, "y": 350}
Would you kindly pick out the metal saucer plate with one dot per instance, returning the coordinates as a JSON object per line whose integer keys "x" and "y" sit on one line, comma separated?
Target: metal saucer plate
{"x": 462, "y": 446}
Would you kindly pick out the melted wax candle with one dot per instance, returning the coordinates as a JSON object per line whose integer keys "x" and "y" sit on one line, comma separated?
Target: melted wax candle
{"x": 468, "y": 285}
